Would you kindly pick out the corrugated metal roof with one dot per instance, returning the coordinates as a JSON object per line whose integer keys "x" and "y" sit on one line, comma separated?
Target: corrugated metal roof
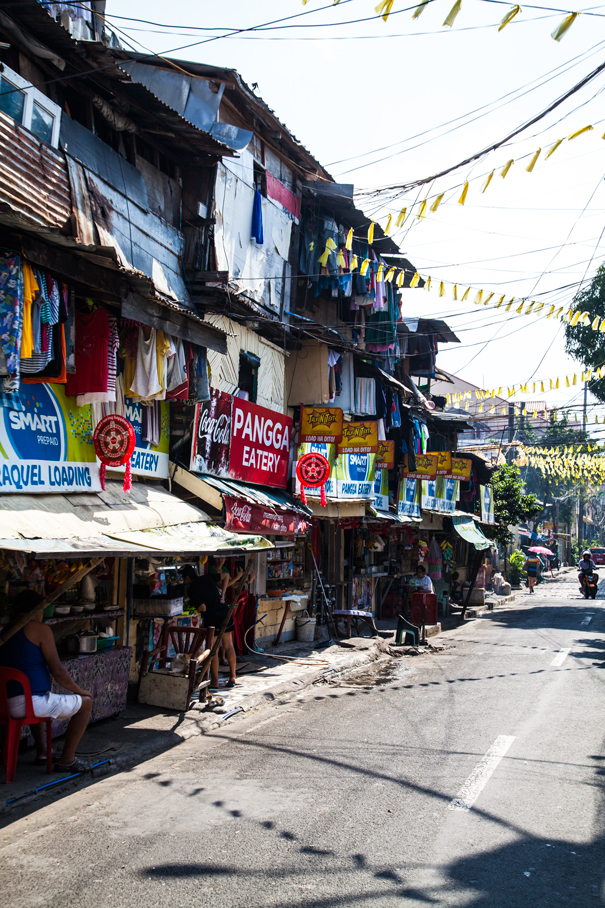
{"x": 273, "y": 498}
{"x": 86, "y": 515}
{"x": 33, "y": 176}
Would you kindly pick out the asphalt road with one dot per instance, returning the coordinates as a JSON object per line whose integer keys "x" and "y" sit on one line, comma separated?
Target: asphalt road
{"x": 470, "y": 777}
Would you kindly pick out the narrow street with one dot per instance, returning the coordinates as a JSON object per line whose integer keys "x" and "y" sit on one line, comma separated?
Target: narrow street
{"x": 472, "y": 776}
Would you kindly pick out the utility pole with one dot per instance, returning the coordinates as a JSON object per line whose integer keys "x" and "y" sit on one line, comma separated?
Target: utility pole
{"x": 581, "y": 498}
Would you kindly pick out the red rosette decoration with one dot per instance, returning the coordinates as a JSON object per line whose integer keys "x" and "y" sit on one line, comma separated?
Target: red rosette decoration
{"x": 313, "y": 471}
{"x": 114, "y": 440}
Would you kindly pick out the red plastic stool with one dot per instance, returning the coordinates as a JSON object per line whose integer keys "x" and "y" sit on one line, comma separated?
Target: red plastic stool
{"x": 12, "y": 733}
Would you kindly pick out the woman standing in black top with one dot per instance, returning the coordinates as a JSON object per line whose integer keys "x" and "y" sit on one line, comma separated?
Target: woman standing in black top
{"x": 205, "y": 596}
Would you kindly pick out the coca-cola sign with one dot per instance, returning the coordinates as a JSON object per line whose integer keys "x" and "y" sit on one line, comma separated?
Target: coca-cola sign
{"x": 212, "y": 435}
{"x": 242, "y": 517}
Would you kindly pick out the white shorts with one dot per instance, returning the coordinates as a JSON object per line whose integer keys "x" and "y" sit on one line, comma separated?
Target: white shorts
{"x": 48, "y": 705}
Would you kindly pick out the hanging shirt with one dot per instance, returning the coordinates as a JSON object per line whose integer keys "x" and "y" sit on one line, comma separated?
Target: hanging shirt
{"x": 146, "y": 383}
{"x": 30, "y": 289}
{"x": 91, "y": 353}
{"x": 109, "y": 395}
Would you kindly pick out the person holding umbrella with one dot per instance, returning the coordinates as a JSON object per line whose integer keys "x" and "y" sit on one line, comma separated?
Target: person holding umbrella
{"x": 531, "y": 567}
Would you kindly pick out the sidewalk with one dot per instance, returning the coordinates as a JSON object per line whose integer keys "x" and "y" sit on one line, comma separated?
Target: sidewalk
{"x": 142, "y": 732}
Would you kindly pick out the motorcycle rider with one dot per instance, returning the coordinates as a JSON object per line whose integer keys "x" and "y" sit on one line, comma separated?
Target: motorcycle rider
{"x": 585, "y": 566}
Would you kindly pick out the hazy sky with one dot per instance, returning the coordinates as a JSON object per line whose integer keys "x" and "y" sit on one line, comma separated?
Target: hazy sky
{"x": 348, "y": 90}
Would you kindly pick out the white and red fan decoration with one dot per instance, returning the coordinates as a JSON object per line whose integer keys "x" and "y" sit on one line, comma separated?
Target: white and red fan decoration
{"x": 114, "y": 440}
{"x": 313, "y": 471}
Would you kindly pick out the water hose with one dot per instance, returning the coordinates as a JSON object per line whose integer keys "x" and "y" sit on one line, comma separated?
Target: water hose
{"x": 299, "y": 660}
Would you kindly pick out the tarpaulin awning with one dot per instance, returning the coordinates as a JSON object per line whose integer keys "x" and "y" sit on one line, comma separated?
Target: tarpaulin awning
{"x": 190, "y": 539}
{"x": 83, "y": 516}
{"x": 468, "y": 529}
{"x": 273, "y": 498}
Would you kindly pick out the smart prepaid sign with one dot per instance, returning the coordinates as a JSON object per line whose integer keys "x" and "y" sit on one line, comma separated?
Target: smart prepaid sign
{"x": 260, "y": 444}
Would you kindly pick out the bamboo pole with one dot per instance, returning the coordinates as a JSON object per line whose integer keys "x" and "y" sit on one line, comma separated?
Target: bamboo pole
{"x": 48, "y": 600}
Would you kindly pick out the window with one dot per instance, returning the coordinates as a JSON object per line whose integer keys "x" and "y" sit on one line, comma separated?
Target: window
{"x": 29, "y": 107}
{"x": 248, "y": 375}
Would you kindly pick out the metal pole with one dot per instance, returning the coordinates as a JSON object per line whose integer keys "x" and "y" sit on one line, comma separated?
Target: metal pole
{"x": 581, "y": 496}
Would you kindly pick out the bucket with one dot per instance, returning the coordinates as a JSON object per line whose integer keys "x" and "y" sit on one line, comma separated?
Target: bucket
{"x": 305, "y": 628}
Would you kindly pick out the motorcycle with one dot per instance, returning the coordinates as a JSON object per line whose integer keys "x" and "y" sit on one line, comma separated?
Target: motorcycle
{"x": 589, "y": 583}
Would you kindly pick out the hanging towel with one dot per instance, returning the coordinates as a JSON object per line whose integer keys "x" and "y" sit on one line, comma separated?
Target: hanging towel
{"x": 365, "y": 396}
{"x": 257, "y": 218}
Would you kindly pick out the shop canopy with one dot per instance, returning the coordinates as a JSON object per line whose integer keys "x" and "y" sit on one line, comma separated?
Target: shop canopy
{"x": 468, "y": 529}
{"x": 113, "y": 523}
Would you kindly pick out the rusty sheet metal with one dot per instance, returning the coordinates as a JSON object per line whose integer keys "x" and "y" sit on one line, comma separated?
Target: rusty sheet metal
{"x": 33, "y": 176}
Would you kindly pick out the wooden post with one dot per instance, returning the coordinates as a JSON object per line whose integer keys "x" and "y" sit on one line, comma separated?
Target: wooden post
{"x": 48, "y": 600}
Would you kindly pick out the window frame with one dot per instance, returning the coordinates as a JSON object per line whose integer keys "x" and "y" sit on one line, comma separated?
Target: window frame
{"x": 34, "y": 95}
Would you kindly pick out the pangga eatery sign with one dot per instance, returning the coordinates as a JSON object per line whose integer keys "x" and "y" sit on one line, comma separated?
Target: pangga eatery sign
{"x": 243, "y": 517}
{"x": 212, "y": 435}
{"x": 323, "y": 424}
{"x": 260, "y": 444}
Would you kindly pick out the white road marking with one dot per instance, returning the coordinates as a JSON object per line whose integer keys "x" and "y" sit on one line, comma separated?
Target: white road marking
{"x": 477, "y": 780}
{"x": 560, "y": 657}
{"x": 586, "y": 620}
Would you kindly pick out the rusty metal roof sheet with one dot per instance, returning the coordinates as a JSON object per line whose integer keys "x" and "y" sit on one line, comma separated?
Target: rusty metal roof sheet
{"x": 33, "y": 176}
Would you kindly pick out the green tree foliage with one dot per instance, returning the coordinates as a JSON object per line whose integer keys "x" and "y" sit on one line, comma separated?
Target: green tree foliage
{"x": 511, "y": 505}
{"x": 581, "y": 342}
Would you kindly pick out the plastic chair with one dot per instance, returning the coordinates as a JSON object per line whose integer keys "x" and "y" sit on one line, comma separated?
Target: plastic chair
{"x": 12, "y": 733}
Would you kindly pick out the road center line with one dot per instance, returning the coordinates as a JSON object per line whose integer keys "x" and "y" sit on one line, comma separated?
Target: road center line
{"x": 477, "y": 780}
{"x": 560, "y": 658}
{"x": 586, "y": 620}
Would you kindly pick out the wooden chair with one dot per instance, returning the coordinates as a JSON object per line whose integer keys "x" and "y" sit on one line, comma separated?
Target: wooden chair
{"x": 159, "y": 685}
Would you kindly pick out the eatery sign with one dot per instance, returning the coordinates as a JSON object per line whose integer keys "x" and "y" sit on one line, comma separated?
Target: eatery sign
{"x": 260, "y": 444}
{"x": 243, "y": 517}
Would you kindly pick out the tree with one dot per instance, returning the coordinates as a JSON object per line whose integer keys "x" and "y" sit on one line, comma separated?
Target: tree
{"x": 581, "y": 342}
{"x": 511, "y": 505}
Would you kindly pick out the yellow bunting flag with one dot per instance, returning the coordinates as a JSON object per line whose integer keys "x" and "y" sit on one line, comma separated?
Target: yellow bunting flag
{"x": 451, "y": 16}
{"x": 508, "y": 306}
{"x": 354, "y": 263}
{"x": 383, "y": 9}
{"x": 576, "y": 318}
{"x": 465, "y": 294}
{"x": 437, "y": 202}
{"x": 380, "y": 275}
{"x": 441, "y": 289}
{"x": 513, "y": 11}
{"x": 364, "y": 267}
{"x": 579, "y": 132}
{"x": 427, "y": 283}
{"x": 340, "y": 259}
{"x": 533, "y": 161}
{"x": 530, "y": 307}
{"x": 330, "y": 244}
{"x": 506, "y": 168}
{"x": 323, "y": 258}
{"x": 422, "y": 210}
{"x": 415, "y": 280}
{"x": 552, "y": 149}
{"x": 488, "y": 181}
{"x": 420, "y": 8}
{"x": 371, "y": 233}
{"x": 595, "y": 323}
{"x": 463, "y": 195}
{"x": 564, "y": 26}
{"x": 539, "y": 308}
{"x": 400, "y": 278}
{"x": 551, "y": 309}
{"x": 390, "y": 275}
{"x": 388, "y": 226}
{"x": 488, "y": 299}
{"x": 478, "y": 297}
{"x": 500, "y": 301}
{"x": 455, "y": 292}
{"x": 602, "y": 328}
{"x": 349, "y": 243}
{"x": 519, "y": 310}
{"x": 402, "y": 213}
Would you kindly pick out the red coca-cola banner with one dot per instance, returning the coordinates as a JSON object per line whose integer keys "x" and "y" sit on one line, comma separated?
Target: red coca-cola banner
{"x": 212, "y": 434}
{"x": 242, "y": 517}
{"x": 260, "y": 444}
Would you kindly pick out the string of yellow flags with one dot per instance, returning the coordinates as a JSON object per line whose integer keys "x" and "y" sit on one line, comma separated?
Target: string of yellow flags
{"x": 384, "y": 8}
{"x": 540, "y": 386}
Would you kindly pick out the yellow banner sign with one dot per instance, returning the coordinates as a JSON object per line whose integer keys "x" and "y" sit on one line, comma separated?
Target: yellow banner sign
{"x": 385, "y": 458}
{"x": 359, "y": 438}
{"x": 426, "y": 467}
{"x": 320, "y": 424}
{"x": 461, "y": 468}
{"x": 444, "y": 464}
